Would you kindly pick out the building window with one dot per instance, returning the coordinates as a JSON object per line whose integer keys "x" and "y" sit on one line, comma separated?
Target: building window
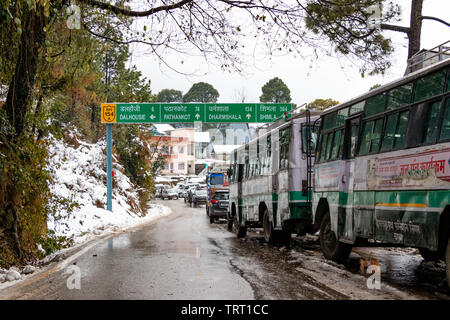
{"x": 190, "y": 149}
{"x": 181, "y": 166}
{"x": 180, "y": 149}
{"x": 166, "y": 166}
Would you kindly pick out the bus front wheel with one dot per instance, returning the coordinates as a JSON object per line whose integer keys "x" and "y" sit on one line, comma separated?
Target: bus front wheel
{"x": 274, "y": 237}
{"x": 332, "y": 248}
{"x": 238, "y": 229}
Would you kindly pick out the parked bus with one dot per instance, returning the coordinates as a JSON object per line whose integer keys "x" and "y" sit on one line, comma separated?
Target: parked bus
{"x": 269, "y": 182}
{"x": 382, "y": 168}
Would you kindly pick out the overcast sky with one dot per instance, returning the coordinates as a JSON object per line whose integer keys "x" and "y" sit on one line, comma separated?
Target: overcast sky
{"x": 323, "y": 78}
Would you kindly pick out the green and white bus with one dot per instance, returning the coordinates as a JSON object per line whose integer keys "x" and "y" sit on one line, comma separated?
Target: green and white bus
{"x": 269, "y": 182}
{"x": 382, "y": 168}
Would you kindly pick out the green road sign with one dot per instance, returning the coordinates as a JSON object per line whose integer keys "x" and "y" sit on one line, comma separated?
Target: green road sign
{"x": 191, "y": 112}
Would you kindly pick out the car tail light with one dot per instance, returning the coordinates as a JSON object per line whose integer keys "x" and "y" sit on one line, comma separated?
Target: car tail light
{"x": 214, "y": 201}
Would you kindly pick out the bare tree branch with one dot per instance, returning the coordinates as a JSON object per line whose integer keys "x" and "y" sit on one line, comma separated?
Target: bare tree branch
{"x": 390, "y": 27}
{"x": 131, "y": 13}
{"x": 435, "y": 19}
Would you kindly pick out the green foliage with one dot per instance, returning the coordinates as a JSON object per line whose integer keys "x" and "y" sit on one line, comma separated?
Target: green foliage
{"x": 24, "y": 192}
{"x": 169, "y": 95}
{"x": 275, "y": 91}
{"x": 51, "y": 243}
{"x": 345, "y": 24}
{"x": 322, "y": 104}
{"x": 201, "y": 92}
{"x": 131, "y": 144}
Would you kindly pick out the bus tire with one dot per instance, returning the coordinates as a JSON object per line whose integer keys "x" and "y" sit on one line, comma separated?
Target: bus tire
{"x": 332, "y": 249}
{"x": 429, "y": 255}
{"x": 447, "y": 261}
{"x": 238, "y": 230}
{"x": 274, "y": 237}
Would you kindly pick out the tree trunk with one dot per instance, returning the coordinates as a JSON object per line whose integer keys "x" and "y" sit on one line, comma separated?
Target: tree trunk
{"x": 415, "y": 27}
{"x": 19, "y": 98}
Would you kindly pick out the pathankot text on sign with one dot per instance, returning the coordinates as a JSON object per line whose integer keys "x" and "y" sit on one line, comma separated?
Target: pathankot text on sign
{"x": 190, "y": 112}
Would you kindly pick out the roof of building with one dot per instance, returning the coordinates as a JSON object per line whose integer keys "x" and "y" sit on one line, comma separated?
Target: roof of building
{"x": 163, "y": 127}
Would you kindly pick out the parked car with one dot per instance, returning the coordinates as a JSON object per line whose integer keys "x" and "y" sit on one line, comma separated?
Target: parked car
{"x": 169, "y": 194}
{"x": 159, "y": 190}
{"x": 199, "y": 197}
{"x": 219, "y": 206}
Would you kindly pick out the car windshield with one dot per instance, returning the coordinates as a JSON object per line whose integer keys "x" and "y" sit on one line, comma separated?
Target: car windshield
{"x": 201, "y": 192}
{"x": 221, "y": 196}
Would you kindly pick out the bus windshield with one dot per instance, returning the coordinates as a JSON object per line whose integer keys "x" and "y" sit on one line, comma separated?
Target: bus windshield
{"x": 216, "y": 179}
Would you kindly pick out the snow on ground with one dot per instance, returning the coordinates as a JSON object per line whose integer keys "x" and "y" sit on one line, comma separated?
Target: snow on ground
{"x": 79, "y": 171}
{"x": 79, "y": 175}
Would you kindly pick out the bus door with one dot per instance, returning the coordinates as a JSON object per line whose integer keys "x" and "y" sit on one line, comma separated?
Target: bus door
{"x": 346, "y": 183}
{"x": 240, "y": 178}
{"x": 275, "y": 149}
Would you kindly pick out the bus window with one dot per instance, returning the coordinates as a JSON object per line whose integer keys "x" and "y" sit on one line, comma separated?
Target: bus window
{"x": 430, "y": 85}
{"x": 432, "y": 121}
{"x": 341, "y": 117}
{"x": 401, "y": 130}
{"x": 357, "y": 107}
{"x": 353, "y": 139}
{"x": 328, "y": 148}
{"x": 375, "y": 105}
{"x": 284, "y": 148}
{"x": 445, "y": 129}
{"x": 399, "y": 97}
{"x": 329, "y": 121}
{"x": 341, "y": 145}
{"x": 366, "y": 137}
{"x": 388, "y": 139}
{"x": 313, "y": 141}
{"x": 376, "y": 135}
{"x": 323, "y": 145}
{"x": 336, "y": 144}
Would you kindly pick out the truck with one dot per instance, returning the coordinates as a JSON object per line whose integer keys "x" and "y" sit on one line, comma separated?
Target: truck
{"x": 216, "y": 181}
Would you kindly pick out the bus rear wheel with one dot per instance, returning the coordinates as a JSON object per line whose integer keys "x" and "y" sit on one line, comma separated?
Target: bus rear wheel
{"x": 332, "y": 249}
{"x": 447, "y": 261}
{"x": 274, "y": 237}
{"x": 237, "y": 229}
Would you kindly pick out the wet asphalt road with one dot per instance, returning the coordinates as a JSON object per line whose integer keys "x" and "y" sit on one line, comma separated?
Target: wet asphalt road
{"x": 183, "y": 256}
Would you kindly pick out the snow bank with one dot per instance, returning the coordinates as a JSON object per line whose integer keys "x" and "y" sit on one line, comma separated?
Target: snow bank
{"x": 79, "y": 174}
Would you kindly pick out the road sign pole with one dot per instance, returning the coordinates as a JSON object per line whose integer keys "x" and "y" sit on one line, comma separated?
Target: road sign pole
{"x": 109, "y": 167}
